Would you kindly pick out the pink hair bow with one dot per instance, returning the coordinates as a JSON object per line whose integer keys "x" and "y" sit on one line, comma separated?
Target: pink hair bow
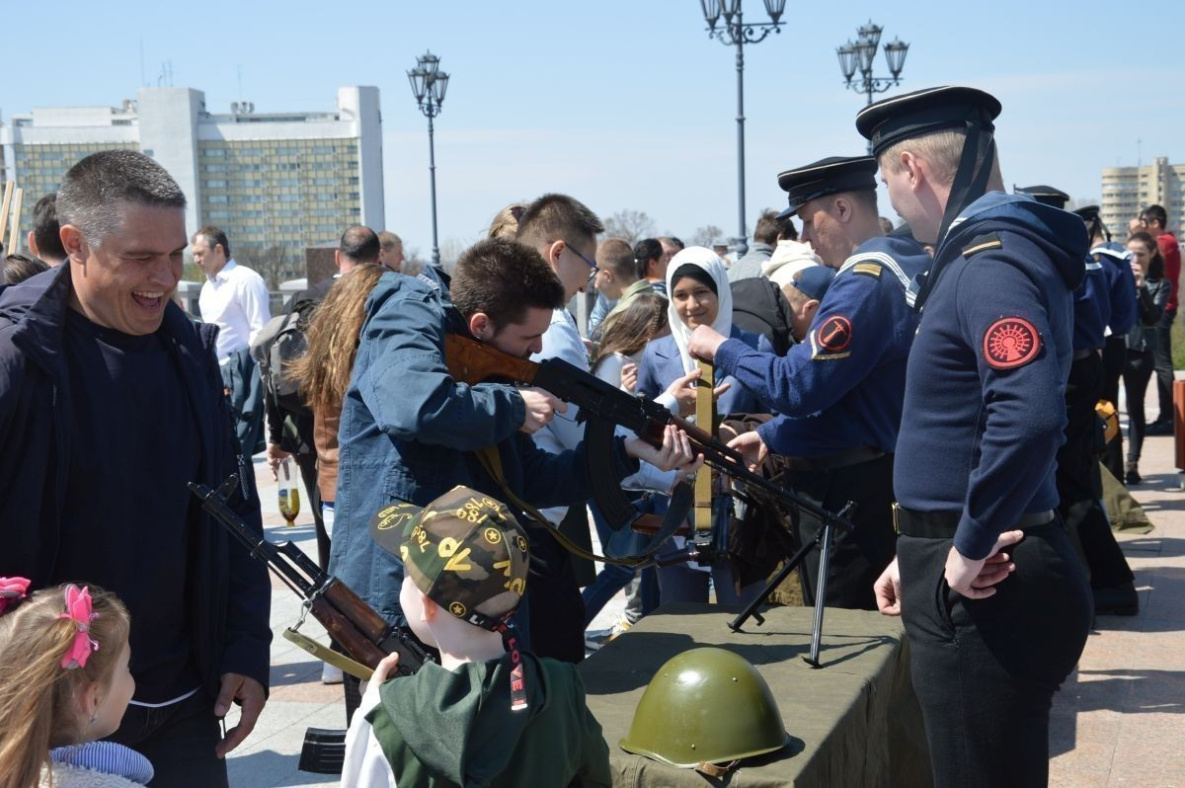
{"x": 79, "y": 610}
{"x": 12, "y": 591}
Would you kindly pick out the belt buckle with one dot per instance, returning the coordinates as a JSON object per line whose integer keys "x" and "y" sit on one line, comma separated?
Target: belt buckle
{"x": 896, "y": 522}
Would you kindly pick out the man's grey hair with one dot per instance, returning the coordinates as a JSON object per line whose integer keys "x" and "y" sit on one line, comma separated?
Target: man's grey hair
{"x": 389, "y": 240}
{"x": 95, "y": 191}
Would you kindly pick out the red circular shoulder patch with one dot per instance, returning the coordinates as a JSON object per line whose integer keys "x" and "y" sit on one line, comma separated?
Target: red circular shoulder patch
{"x": 1010, "y": 342}
{"x": 835, "y": 334}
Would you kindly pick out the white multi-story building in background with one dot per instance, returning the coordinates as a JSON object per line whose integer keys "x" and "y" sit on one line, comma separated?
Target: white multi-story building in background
{"x": 275, "y": 182}
{"x": 1129, "y": 190}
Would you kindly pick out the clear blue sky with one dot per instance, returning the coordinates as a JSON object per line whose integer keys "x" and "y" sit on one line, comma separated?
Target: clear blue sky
{"x": 627, "y": 103}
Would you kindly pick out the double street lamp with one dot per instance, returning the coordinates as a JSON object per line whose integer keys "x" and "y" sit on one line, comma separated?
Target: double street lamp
{"x": 734, "y": 31}
{"x": 428, "y": 84}
{"x": 859, "y": 56}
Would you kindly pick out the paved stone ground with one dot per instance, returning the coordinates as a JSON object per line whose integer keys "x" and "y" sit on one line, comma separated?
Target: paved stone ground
{"x": 1118, "y": 721}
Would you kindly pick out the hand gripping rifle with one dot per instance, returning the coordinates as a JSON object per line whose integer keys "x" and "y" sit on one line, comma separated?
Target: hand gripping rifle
{"x": 362, "y": 632}
{"x": 604, "y": 407}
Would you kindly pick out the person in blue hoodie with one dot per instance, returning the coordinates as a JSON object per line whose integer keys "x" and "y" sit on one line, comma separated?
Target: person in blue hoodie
{"x": 840, "y": 391}
{"x": 1121, "y": 287}
{"x": 995, "y": 602}
{"x": 1079, "y": 482}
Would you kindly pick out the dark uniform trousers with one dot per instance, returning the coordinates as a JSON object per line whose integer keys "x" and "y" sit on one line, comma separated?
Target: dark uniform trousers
{"x": 1078, "y": 482}
{"x": 858, "y": 558}
{"x": 1114, "y": 358}
{"x": 554, "y": 609}
{"x": 985, "y": 670}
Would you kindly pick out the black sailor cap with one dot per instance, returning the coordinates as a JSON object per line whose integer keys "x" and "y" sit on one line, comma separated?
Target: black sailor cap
{"x": 832, "y": 175}
{"x": 1047, "y": 195}
{"x": 923, "y": 112}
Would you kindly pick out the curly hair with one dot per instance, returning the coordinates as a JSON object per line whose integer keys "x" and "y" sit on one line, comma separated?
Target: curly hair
{"x": 323, "y": 372}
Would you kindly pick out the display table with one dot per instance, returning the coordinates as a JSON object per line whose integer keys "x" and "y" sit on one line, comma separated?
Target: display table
{"x": 852, "y": 722}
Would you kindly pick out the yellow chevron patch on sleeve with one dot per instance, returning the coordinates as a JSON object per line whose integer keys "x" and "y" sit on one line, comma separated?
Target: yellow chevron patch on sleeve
{"x": 872, "y": 269}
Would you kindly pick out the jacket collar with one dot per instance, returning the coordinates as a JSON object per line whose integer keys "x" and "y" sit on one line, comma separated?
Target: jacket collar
{"x": 38, "y": 308}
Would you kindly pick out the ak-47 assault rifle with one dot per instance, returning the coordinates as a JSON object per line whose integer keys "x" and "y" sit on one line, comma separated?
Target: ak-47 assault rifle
{"x": 605, "y": 407}
{"x": 356, "y": 627}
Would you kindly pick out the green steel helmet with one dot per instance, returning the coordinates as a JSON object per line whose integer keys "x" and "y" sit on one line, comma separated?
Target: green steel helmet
{"x": 706, "y": 706}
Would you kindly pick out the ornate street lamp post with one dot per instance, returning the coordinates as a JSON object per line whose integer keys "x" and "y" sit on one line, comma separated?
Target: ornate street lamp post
{"x": 859, "y": 56}
{"x": 428, "y": 84}
{"x": 736, "y": 32}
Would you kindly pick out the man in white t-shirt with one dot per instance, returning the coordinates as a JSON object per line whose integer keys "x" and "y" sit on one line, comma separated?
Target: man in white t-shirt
{"x": 235, "y": 299}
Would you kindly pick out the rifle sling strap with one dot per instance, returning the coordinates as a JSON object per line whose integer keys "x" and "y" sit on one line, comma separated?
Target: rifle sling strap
{"x": 491, "y": 460}
{"x": 326, "y": 654}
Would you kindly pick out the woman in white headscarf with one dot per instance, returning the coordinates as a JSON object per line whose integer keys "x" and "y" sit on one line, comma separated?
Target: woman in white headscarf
{"x": 699, "y": 295}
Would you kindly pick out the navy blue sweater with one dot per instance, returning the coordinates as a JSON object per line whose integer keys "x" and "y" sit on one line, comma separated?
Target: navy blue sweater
{"x": 984, "y": 394}
{"x": 1121, "y": 286}
{"x": 1092, "y": 307}
{"x": 843, "y": 387}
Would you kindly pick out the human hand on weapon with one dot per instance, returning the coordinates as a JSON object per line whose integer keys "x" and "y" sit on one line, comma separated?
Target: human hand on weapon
{"x": 388, "y": 666}
{"x": 684, "y": 392}
{"x": 675, "y": 453}
{"x": 629, "y": 377}
{"x": 541, "y": 408}
{"x": 704, "y": 342}
{"x": 274, "y": 455}
{"x": 976, "y": 579}
{"x": 750, "y": 445}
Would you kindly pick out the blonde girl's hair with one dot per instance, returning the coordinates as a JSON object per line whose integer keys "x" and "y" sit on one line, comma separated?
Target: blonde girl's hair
{"x": 323, "y": 372}
{"x": 628, "y": 331}
{"x": 505, "y": 224}
{"x": 38, "y": 697}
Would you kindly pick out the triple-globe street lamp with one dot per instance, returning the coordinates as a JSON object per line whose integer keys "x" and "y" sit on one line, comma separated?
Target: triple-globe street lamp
{"x": 859, "y": 56}
{"x": 734, "y": 31}
{"x": 428, "y": 84}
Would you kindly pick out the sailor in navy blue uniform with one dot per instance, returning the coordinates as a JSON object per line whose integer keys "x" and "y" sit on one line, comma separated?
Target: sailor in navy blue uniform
{"x": 995, "y": 602}
{"x": 1079, "y": 483}
{"x": 1121, "y": 286}
{"x": 839, "y": 392}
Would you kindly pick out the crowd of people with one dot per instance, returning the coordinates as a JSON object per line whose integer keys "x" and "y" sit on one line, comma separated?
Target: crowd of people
{"x": 940, "y": 378}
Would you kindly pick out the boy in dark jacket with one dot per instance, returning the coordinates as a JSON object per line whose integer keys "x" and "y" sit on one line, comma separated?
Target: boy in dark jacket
{"x": 490, "y": 713}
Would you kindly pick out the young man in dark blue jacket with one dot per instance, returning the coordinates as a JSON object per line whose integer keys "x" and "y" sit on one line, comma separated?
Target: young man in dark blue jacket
{"x": 992, "y": 634}
{"x": 410, "y": 432}
{"x": 111, "y": 400}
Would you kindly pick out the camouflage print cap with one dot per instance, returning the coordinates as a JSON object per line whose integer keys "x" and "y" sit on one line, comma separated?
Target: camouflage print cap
{"x": 465, "y": 551}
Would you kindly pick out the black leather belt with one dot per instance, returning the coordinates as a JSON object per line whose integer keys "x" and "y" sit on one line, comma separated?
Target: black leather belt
{"x": 942, "y": 525}
{"x": 833, "y": 461}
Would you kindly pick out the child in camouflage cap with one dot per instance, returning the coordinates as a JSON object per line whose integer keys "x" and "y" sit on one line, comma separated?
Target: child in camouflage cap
{"x": 490, "y": 713}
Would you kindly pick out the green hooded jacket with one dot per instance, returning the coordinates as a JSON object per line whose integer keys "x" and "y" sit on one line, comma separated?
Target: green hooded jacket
{"x": 445, "y": 728}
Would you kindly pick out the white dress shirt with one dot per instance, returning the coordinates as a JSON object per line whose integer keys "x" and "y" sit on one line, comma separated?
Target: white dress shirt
{"x": 236, "y": 300}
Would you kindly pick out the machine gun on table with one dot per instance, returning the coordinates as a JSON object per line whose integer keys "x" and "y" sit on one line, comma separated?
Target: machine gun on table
{"x": 604, "y": 407}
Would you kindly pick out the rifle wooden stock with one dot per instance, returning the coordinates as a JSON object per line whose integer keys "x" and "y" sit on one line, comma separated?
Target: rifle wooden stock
{"x": 470, "y": 361}
{"x": 364, "y": 618}
{"x": 355, "y": 625}
{"x": 346, "y": 633}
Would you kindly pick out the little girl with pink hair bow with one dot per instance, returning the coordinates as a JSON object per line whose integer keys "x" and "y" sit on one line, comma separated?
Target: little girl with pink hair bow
{"x": 66, "y": 686}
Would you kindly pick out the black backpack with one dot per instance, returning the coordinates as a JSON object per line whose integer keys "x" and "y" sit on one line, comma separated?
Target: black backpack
{"x": 279, "y": 343}
{"x": 759, "y": 306}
